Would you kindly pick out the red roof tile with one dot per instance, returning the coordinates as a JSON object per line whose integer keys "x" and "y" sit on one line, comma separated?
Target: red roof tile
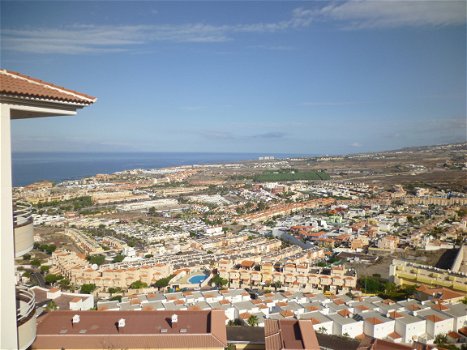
{"x": 143, "y": 330}
{"x": 16, "y": 84}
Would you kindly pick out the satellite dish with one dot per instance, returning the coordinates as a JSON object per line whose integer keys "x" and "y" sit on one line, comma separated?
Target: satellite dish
{"x": 94, "y": 266}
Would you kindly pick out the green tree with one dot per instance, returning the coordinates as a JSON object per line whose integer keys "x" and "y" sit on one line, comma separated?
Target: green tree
{"x": 26, "y": 256}
{"x": 45, "y": 268}
{"x": 64, "y": 283}
{"x": 97, "y": 259}
{"x": 36, "y": 262}
{"x": 276, "y": 285}
{"x": 87, "y": 288}
{"x": 51, "y": 305}
{"x": 163, "y": 282}
{"x": 50, "y": 249}
{"x": 219, "y": 281}
{"x": 52, "y": 278}
{"x": 253, "y": 321}
{"x": 118, "y": 258}
{"x": 138, "y": 285}
{"x": 236, "y": 322}
{"x": 441, "y": 339}
{"x": 113, "y": 290}
{"x": 370, "y": 284}
{"x": 117, "y": 297}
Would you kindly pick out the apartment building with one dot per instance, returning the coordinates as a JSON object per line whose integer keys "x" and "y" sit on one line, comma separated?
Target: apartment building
{"x": 388, "y": 242}
{"x": 84, "y": 242}
{"x": 403, "y": 272}
{"x": 293, "y": 277}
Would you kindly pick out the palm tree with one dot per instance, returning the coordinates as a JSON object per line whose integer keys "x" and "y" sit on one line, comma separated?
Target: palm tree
{"x": 253, "y": 321}
{"x": 276, "y": 285}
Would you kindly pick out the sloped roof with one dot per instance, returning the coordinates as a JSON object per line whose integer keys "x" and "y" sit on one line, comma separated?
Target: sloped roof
{"x": 20, "y": 85}
{"x": 143, "y": 330}
{"x": 290, "y": 334}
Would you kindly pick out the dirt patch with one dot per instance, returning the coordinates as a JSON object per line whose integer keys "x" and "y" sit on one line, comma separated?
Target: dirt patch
{"x": 54, "y": 235}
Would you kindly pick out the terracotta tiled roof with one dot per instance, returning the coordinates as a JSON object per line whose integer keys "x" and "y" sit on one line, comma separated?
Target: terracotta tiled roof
{"x": 290, "y": 334}
{"x": 247, "y": 263}
{"x": 19, "y": 85}
{"x": 287, "y": 313}
{"x": 454, "y": 335}
{"x": 312, "y": 308}
{"x": 344, "y": 312}
{"x": 434, "y": 318}
{"x": 374, "y": 320}
{"x": 315, "y": 321}
{"x": 142, "y": 330}
{"x": 413, "y": 307}
{"x": 463, "y": 331}
{"x": 394, "y": 335}
{"x": 245, "y": 315}
{"x": 395, "y": 314}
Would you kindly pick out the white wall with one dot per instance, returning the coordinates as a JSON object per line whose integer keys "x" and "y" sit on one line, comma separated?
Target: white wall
{"x": 409, "y": 330}
{"x": 326, "y": 325}
{"x": 382, "y": 330}
{"x": 443, "y": 327}
{"x": 352, "y": 329}
{"x": 8, "y": 331}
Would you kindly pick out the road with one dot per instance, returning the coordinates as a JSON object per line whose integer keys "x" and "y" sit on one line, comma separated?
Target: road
{"x": 39, "y": 279}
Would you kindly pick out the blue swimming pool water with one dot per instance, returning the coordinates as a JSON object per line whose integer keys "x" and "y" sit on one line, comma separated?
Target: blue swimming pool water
{"x": 197, "y": 279}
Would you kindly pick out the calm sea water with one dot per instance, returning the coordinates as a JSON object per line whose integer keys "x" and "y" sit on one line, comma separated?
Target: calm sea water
{"x": 35, "y": 166}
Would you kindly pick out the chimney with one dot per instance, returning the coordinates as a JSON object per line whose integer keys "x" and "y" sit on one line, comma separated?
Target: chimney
{"x": 75, "y": 319}
{"x": 121, "y": 324}
{"x": 174, "y": 320}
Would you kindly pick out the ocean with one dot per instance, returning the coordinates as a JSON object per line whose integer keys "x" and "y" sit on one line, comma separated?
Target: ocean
{"x": 29, "y": 167}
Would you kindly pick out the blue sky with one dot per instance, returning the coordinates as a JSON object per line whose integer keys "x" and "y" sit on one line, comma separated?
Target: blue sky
{"x": 280, "y": 77}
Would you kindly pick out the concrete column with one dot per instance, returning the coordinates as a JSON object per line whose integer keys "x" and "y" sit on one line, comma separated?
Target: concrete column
{"x": 8, "y": 327}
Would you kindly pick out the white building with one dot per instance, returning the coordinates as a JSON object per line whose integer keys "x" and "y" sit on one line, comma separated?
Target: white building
{"x": 377, "y": 326}
{"x": 346, "y": 326}
{"x": 436, "y": 322}
{"x": 408, "y": 327}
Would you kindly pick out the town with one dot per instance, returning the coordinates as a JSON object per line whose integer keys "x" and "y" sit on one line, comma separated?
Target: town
{"x": 361, "y": 250}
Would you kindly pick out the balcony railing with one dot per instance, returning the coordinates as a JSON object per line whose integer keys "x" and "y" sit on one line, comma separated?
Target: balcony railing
{"x": 25, "y": 312}
{"x": 22, "y": 214}
{"x": 23, "y": 228}
{"x": 25, "y": 304}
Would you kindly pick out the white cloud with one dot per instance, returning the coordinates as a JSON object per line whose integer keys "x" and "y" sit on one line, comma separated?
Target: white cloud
{"x": 353, "y": 14}
{"x": 359, "y": 14}
{"x": 356, "y": 144}
{"x": 79, "y": 39}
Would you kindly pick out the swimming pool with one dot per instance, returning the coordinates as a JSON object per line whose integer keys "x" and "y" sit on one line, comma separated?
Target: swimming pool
{"x": 197, "y": 279}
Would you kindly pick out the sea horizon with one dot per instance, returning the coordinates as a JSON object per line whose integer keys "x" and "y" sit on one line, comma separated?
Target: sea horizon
{"x": 30, "y": 167}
